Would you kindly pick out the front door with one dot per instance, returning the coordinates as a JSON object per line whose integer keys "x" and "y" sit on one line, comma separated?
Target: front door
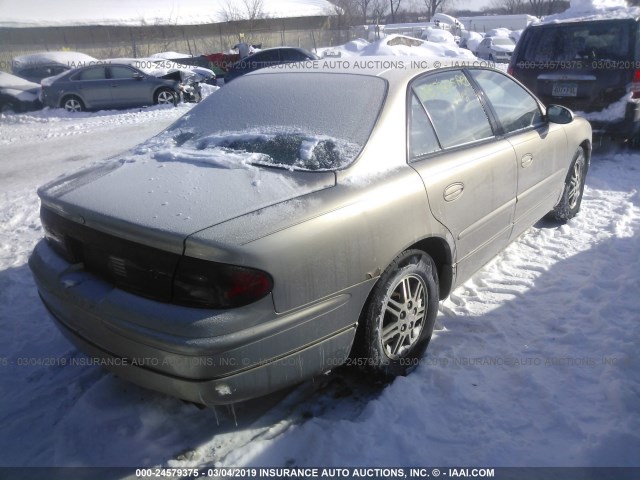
{"x": 470, "y": 176}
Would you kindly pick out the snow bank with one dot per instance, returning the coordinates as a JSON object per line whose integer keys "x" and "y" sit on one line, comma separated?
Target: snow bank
{"x": 349, "y": 49}
{"x": 399, "y": 45}
{"x": 437, "y": 35}
{"x": 472, "y": 39}
{"x": 614, "y": 112}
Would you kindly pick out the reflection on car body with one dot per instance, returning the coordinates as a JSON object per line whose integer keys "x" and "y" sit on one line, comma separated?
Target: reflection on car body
{"x": 294, "y": 219}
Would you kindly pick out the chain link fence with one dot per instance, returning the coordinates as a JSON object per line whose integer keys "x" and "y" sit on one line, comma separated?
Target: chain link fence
{"x": 104, "y": 42}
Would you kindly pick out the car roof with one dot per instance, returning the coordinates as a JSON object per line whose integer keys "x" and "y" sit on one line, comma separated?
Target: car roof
{"x": 392, "y": 68}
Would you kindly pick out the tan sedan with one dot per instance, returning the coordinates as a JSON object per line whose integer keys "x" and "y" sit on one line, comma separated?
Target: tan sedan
{"x": 297, "y": 219}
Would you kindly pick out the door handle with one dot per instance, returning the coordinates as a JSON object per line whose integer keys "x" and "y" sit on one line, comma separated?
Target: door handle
{"x": 526, "y": 160}
{"x": 453, "y": 192}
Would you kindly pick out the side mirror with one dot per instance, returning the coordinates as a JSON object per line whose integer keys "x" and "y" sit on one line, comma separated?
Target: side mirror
{"x": 138, "y": 76}
{"x": 559, "y": 114}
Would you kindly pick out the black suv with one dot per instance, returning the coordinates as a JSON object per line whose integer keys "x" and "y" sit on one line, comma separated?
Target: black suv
{"x": 587, "y": 66}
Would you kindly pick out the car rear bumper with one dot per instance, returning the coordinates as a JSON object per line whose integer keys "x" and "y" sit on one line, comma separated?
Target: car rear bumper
{"x": 238, "y": 359}
{"x": 628, "y": 127}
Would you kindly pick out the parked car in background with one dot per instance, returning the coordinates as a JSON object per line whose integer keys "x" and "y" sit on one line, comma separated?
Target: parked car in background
{"x": 17, "y": 94}
{"x": 107, "y": 86}
{"x": 300, "y": 217}
{"x": 189, "y": 77}
{"x": 496, "y": 49}
{"x": 36, "y": 66}
{"x": 268, "y": 57}
{"x": 588, "y": 66}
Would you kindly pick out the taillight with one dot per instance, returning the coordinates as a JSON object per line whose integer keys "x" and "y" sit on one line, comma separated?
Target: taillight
{"x": 204, "y": 284}
{"x": 510, "y": 70}
{"x": 635, "y": 85}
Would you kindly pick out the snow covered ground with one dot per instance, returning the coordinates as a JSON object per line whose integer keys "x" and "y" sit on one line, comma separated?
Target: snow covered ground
{"x": 535, "y": 360}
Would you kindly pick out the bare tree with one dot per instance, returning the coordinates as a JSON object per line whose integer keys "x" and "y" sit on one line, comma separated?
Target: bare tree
{"x": 248, "y": 10}
{"x": 394, "y": 6}
{"x": 540, "y": 8}
{"x": 434, "y": 5}
{"x": 509, "y": 7}
{"x": 378, "y": 10}
{"x": 344, "y": 12}
{"x": 363, "y": 5}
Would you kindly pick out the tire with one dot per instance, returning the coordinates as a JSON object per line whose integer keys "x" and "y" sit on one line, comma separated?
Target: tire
{"x": 165, "y": 96}
{"x": 72, "y": 104}
{"x": 569, "y": 204}
{"x": 9, "y": 106}
{"x": 398, "y": 319}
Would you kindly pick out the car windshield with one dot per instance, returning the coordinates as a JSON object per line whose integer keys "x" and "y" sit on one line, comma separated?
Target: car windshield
{"x": 300, "y": 121}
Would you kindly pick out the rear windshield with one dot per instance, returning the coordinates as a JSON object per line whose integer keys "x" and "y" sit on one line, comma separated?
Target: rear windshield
{"x": 581, "y": 41}
{"x": 299, "y": 121}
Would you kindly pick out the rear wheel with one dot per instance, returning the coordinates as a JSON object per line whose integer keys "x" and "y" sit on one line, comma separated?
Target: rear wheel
{"x": 569, "y": 204}
{"x": 8, "y": 107}
{"x": 165, "y": 96}
{"x": 72, "y": 104}
{"x": 398, "y": 319}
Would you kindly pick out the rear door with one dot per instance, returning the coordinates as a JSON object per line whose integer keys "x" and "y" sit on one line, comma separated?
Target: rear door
{"x": 93, "y": 86}
{"x": 469, "y": 174}
{"x": 585, "y": 66}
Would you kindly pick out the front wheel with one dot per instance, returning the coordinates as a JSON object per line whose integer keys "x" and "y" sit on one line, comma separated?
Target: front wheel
{"x": 398, "y": 319}
{"x": 164, "y": 96}
{"x": 72, "y": 104}
{"x": 569, "y": 204}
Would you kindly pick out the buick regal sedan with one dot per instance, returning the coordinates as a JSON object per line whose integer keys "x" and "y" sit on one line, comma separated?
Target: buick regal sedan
{"x": 294, "y": 219}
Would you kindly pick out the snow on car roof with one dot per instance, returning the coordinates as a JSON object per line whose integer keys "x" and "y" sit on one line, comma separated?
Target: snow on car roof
{"x": 587, "y": 10}
{"x": 63, "y": 58}
{"x": 387, "y": 66}
{"x": 11, "y": 81}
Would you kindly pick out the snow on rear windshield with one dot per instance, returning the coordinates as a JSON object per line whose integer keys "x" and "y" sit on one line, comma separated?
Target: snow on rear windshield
{"x": 302, "y": 121}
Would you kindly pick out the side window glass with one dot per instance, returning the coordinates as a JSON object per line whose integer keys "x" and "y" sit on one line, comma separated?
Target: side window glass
{"x": 94, "y": 73}
{"x": 422, "y": 137}
{"x": 271, "y": 56}
{"x": 293, "y": 56}
{"x": 119, "y": 72}
{"x": 515, "y": 108}
{"x": 454, "y": 107}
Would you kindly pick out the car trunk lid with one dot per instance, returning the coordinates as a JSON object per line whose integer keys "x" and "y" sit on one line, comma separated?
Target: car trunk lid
{"x": 160, "y": 203}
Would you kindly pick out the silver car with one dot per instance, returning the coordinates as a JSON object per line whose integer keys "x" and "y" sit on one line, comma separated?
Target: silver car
{"x": 496, "y": 49}
{"x": 297, "y": 220}
{"x": 107, "y": 86}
